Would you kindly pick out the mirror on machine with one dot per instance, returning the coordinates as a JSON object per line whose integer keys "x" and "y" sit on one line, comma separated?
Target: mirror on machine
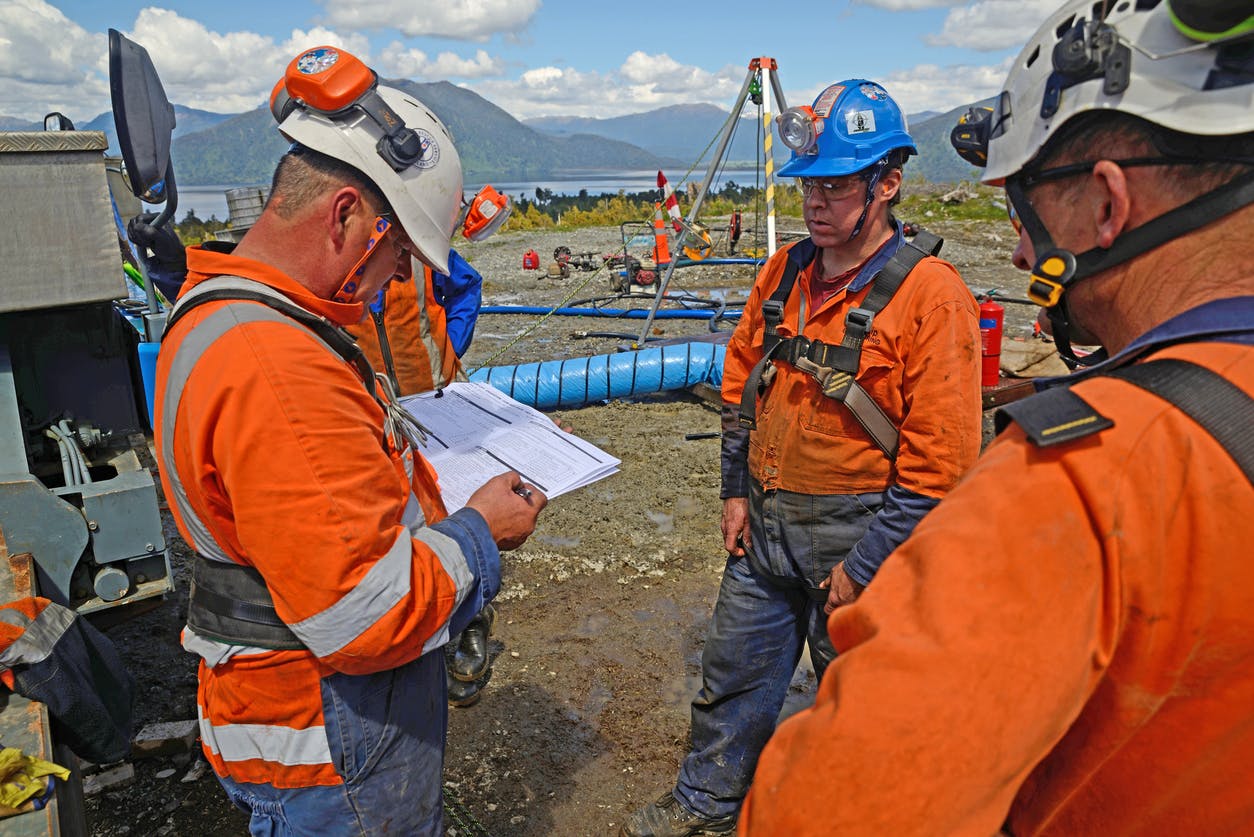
{"x": 145, "y": 122}
{"x": 57, "y": 121}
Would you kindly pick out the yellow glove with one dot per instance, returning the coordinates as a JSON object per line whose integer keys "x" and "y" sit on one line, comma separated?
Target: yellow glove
{"x": 24, "y": 777}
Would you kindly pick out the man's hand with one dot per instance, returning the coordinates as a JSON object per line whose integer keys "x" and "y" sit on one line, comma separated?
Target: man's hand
{"x": 167, "y": 252}
{"x": 841, "y": 589}
{"x": 735, "y": 524}
{"x": 510, "y": 508}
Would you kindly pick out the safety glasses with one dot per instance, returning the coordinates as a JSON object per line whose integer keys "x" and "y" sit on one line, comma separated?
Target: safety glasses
{"x": 382, "y": 225}
{"x": 1013, "y": 215}
{"x": 831, "y": 189}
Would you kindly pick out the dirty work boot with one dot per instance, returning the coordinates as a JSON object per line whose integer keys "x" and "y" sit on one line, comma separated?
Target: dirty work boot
{"x": 471, "y": 659}
{"x": 667, "y": 818}
{"x": 463, "y": 694}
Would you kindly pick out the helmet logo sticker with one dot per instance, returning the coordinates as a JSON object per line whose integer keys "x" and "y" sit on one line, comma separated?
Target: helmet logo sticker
{"x": 316, "y": 60}
{"x": 860, "y": 122}
{"x": 873, "y": 92}
{"x": 430, "y": 150}
{"x": 823, "y": 104}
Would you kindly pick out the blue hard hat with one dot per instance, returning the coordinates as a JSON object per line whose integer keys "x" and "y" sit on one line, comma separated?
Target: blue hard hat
{"x": 855, "y": 123}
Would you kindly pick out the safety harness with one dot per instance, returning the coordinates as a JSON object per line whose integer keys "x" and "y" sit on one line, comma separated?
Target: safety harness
{"x": 230, "y": 602}
{"x": 1221, "y": 408}
{"x": 834, "y": 367}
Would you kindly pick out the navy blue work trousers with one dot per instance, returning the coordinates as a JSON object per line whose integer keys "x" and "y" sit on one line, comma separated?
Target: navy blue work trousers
{"x": 386, "y": 733}
{"x": 768, "y": 608}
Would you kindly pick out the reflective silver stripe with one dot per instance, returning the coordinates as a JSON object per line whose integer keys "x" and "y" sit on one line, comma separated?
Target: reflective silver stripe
{"x": 413, "y": 516}
{"x": 438, "y": 640}
{"x": 380, "y": 590}
{"x": 40, "y": 636}
{"x": 454, "y": 563}
{"x": 281, "y": 745}
{"x": 434, "y": 357}
{"x": 189, "y": 352}
{"x": 383, "y": 587}
{"x": 230, "y": 283}
{"x": 214, "y": 652}
{"x": 451, "y": 558}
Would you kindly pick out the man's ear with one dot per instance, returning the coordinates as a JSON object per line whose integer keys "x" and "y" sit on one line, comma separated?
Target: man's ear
{"x": 1114, "y": 205}
{"x": 890, "y": 183}
{"x": 344, "y": 206}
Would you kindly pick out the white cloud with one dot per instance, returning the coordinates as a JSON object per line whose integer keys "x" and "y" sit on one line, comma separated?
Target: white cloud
{"x": 641, "y": 82}
{"x": 465, "y": 20}
{"x": 992, "y": 25}
{"x": 908, "y": 5}
{"x": 224, "y": 72}
{"x": 399, "y": 61}
{"x": 48, "y": 62}
{"x": 929, "y": 87}
{"x": 301, "y": 40}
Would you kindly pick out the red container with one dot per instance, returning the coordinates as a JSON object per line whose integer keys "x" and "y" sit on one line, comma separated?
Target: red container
{"x": 992, "y": 316}
{"x": 531, "y": 260}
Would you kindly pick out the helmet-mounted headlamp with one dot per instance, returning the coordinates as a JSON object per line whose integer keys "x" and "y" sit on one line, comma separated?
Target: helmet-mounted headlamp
{"x": 970, "y": 136}
{"x": 336, "y": 84}
{"x": 484, "y": 214}
{"x": 799, "y": 129}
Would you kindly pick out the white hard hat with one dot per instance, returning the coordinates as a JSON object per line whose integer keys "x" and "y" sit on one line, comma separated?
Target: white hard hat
{"x": 1135, "y": 60}
{"x": 412, "y": 161}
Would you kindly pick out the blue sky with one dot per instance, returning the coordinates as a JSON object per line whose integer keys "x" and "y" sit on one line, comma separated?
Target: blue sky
{"x": 531, "y": 57}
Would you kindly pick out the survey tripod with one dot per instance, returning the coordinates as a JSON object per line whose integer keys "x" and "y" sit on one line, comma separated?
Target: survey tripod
{"x": 763, "y": 72}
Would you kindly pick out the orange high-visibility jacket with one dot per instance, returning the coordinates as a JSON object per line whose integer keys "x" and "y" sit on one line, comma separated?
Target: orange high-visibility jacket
{"x": 418, "y": 335}
{"x": 1067, "y": 639}
{"x": 920, "y": 364}
{"x": 276, "y": 450}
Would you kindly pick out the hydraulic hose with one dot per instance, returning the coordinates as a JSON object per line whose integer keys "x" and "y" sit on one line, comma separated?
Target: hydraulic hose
{"x": 576, "y": 382}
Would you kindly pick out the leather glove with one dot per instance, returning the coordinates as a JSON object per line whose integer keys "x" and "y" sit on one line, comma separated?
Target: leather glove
{"x": 165, "y": 259}
{"x": 165, "y": 251}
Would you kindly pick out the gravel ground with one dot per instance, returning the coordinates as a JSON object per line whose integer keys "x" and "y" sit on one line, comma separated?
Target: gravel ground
{"x": 602, "y": 613}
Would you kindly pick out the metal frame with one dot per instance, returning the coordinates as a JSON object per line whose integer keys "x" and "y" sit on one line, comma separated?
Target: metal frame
{"x": 764, "y": 66}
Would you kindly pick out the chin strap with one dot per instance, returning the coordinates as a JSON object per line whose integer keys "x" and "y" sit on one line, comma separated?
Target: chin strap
{"x": 871, "y": 183}
{"x": 1056, "y": 270}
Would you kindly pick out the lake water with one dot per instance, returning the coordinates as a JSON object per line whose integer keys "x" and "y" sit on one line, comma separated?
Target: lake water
{"x": 211, "y": 200}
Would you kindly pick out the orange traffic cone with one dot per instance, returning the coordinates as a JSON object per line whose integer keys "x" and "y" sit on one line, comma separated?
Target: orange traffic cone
{"x": 661, "y": 247}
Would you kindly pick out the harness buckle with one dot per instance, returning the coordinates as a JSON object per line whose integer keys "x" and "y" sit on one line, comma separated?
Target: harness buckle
{"x": 1044, "y": 292}
{"x": 798, "y": 347}
{"x": 1050, "y": 276}
{"x": 861, "y": 319}
{"x": 773, "y": 311}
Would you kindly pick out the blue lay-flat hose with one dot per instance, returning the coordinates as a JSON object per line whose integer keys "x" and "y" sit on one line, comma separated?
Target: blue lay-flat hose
{"x": 576, "y": 382}
{"x": 612, "y": 313}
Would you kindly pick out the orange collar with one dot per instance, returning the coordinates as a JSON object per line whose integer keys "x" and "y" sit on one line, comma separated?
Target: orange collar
{"x": 205, "y": 264}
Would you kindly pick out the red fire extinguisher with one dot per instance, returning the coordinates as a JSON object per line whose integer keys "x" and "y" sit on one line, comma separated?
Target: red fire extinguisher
{"x": 991, "y": 318}
{"x": 531, "y": 260}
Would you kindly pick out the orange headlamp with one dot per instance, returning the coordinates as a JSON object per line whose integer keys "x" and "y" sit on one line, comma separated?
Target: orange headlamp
{"x": 486, "y": 212}
{"x": 325, "y": 78}
{"x": 333, "y": 82}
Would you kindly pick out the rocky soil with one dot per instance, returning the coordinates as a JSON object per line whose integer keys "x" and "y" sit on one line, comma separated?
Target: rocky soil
{"x": 602, "y": 613}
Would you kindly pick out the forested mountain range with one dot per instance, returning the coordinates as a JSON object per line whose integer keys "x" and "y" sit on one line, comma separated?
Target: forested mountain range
{"x": 225, "y": 149}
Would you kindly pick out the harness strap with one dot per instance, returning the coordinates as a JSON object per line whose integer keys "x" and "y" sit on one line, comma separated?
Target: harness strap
{"x": 1052, "y": 417}
{"x": 337, "y": 338}
{"x": 799, "y": 257}
{"x": 1220, "y": 407}
{"x": 859, "y": 320}
{"x": 230, "y": 603}
{"x": 835, "y": 367}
